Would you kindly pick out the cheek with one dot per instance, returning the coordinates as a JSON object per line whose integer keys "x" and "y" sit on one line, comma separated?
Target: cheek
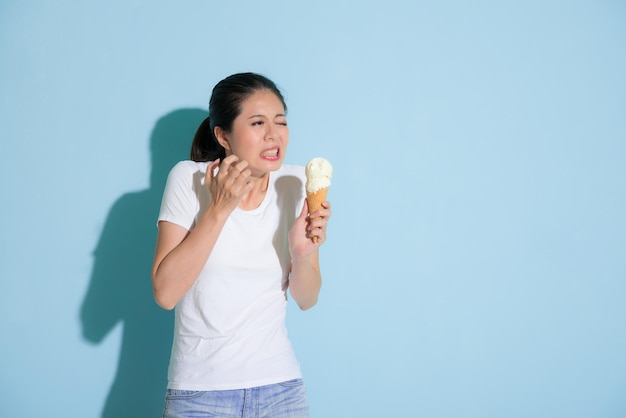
{"x": 241, "y": 140}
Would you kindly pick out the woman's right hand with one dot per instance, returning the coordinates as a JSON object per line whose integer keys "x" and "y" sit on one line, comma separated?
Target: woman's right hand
{"x": 232, "y": 182}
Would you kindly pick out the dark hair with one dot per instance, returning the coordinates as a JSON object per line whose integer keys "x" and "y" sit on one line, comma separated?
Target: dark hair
{"x": 224, "y": 107}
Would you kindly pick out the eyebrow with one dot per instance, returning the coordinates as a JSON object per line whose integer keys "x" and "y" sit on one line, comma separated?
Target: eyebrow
{"x": 262, "y": 116}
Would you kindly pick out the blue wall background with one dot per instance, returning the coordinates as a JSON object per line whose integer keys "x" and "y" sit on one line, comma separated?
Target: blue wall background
{"x": 476, "y": 263}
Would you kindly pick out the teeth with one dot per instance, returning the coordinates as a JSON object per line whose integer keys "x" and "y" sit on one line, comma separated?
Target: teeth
{"x": 271, "y": 153}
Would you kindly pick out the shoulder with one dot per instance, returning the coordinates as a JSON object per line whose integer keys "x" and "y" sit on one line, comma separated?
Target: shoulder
{"x": 291, "y": 171}
{"x": 289, "y": 180}
{"x": 187, "y": 172}
{"x": 188, "y": 167}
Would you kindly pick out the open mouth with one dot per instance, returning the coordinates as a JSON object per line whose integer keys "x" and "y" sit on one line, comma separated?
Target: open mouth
{"x": 270, "y": 153}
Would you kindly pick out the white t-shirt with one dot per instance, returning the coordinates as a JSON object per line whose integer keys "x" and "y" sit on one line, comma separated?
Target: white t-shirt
{"x": 230, "y": 329}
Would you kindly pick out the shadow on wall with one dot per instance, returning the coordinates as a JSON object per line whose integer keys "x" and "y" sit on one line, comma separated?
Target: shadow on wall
{"x": 120, "y": 290}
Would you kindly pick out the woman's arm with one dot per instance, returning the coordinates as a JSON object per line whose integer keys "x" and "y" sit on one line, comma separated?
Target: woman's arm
{"x": 305, "y": 279}
{"x": 180, "y": 255}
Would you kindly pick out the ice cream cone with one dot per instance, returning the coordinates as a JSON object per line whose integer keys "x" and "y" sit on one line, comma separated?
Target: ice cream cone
{"x": 315, "y": 201}
{"x": 318, "y": 172}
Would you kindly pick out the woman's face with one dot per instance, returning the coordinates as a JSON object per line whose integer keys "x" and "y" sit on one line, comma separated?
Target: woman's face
{"x": 259, "y": 134}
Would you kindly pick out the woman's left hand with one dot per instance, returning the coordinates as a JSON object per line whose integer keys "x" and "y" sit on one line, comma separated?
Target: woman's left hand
{"x": 306, "y": 227}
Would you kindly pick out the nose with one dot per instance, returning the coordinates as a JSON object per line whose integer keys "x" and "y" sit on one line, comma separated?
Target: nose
{"x": 270, "y": 133}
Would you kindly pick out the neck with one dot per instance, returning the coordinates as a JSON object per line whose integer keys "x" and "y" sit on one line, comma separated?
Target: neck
{"x": 254, "y": 197}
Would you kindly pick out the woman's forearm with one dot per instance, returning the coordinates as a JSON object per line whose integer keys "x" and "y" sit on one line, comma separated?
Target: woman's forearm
{"x": 305, "y": 280}
{"x": 181, "y": 255}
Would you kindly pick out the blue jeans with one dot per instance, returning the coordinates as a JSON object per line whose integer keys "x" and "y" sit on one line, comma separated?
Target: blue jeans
{"x": 281, "y": 400}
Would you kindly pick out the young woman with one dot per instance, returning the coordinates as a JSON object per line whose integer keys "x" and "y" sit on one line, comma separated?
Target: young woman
{"x": 234, "y": 235}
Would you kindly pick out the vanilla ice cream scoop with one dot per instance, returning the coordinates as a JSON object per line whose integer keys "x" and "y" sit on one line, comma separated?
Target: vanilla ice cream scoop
{"x": 318, "y": 173}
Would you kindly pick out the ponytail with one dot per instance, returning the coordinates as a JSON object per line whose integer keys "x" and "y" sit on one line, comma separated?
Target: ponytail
{"x": 205, "y": 146}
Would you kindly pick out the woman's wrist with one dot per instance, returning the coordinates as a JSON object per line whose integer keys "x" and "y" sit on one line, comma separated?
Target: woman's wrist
{"x": 298, "y": 259}
{"x": 216, "y": 214}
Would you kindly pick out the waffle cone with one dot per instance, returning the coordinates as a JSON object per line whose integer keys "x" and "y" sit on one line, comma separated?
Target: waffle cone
{"x": 315, "y": 200}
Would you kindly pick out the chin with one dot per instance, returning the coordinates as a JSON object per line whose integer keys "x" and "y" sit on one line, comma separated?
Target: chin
{"x": 273, "y": 165}
{"x": 265, "y": 167}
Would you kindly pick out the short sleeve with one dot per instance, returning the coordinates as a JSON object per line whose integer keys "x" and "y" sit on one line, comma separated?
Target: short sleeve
{"x": 180, "y": 201}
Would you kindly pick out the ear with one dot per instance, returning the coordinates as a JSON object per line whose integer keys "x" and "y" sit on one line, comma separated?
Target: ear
{"x": 222, "y": 138}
